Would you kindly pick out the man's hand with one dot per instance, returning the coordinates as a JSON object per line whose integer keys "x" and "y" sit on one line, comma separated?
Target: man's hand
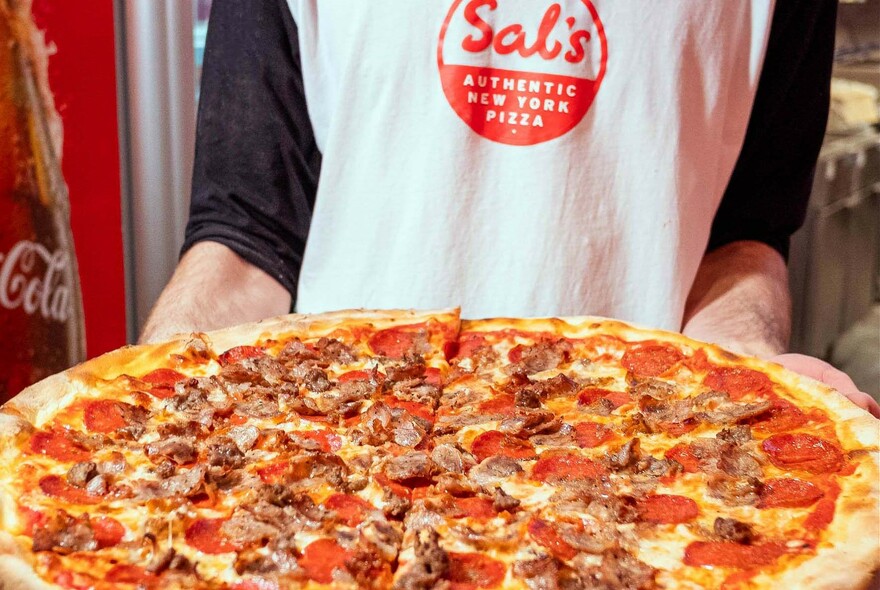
{"x": 740, "y": 301}
{"x": 213, "y": 288}
{"x": 821, "y": 371}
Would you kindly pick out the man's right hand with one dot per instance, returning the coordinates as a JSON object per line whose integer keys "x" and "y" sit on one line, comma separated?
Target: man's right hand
{"x": 213, "y": 288}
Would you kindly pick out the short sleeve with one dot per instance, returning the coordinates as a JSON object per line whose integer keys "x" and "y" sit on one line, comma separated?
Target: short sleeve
{"x": 767, "y": 196}
{"x": 256, "y": 166}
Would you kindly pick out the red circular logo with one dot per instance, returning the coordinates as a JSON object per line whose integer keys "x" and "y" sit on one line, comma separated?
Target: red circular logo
{"x": 522, "y": 72}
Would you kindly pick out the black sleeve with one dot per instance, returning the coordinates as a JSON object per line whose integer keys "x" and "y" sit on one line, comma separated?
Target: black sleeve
{"x": 766, "y": 199}
{"x": 256, "y": 165}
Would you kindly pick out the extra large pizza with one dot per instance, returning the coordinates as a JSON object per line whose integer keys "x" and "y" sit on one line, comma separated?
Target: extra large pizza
{"x": 414, "y": 451}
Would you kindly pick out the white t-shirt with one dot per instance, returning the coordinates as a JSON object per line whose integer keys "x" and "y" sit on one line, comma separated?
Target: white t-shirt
{"x": 522, "y": 157}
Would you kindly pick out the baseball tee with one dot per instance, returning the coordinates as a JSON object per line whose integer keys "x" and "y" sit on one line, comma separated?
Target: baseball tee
{"x": 514, "y": 157}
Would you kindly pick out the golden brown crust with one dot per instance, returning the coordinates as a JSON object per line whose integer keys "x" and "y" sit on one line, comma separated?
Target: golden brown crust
{"x": 15, "y": 572}
{"x": 327, "y": 322}
{"x": 569, "y": 327}
{"x": 12, "y": 430}
{"x": 42, "y": 400}
{"x": 315, "y": 326}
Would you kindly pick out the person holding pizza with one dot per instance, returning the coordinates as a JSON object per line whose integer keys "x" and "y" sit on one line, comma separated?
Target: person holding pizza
{"x": 517, "y": 157}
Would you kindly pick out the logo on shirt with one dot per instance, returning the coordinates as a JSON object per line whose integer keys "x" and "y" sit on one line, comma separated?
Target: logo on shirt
{"x": 522, "y": 72}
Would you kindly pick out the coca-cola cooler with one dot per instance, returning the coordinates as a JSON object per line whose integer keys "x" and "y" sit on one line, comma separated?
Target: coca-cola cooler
{"x": 123, "y": 77}
{"x": 82, "y": 75}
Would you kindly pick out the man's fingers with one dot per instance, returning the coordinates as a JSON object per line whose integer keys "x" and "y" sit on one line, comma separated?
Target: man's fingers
{"x": 817, "y": 369}
{"x": 821, "y": 371}
{"x": 839, "y": 381}
{"x": 866, "y": 402}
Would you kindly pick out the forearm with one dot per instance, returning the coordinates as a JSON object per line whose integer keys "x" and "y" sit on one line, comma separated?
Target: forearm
{"x": 740, "y": 300}
{"x": 213, "y": 288}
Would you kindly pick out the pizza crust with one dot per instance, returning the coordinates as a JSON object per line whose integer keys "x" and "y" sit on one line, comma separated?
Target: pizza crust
{"x": 43, "y": 399}
{"x": 15, "y": 572}
{"x": 315, "y": 326}
{"x": 849, "y": 558}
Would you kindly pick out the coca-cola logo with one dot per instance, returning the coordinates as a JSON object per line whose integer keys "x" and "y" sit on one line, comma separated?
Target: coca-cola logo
{"x": 522, "y": 72}
{"x": 33, "y": 278}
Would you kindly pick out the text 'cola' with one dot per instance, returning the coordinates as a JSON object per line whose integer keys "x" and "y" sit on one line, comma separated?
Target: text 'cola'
{"x": 41, "y": 318}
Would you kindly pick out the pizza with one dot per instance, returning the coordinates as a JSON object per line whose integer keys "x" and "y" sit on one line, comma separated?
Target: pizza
{"x": 415, "y": 450}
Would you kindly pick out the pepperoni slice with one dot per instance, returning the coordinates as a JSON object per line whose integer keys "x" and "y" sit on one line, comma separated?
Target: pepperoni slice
{"x": 699, "y": 362}
{"x": 57, "y": 487}
{"x": 503, "y": 404}
{"x": 823, "y": 514}
{"x": 75, "y": 580}
{"x": 591, "y": 435}
{"x": 204, "y": 534}
{"x": 255, "y": 584}
{"x": 468, "y": 344}
{"x": 469, "y": 571}
{"x": 240, "y": 353}
{"x": 515, "y": 354}
{"x": 163, "y": 381}
{"x": 355, "y": 376}
{"x": 420, "y": 492}
{"x": 59, "y": 445}
{"x": 105, "y": 416}
{"x": 782, "y": 416}
{"x": 321, "y": 557}
{"x": 108, "y": 531}
{"x": 450, "y": 350}
{"x": 789, "y": 493}
{"x": 803, "y": 452}
{"x": 433, "y": 376}
{"x": 676, "y": 429}
{"x": 274, "y": 472}
{"x": 327, "y": 441}
{"x": 728, "y": 554}
{"x": 393, "y": 342}
{"x": 565, "y": 466}
{"x": 738, "y": 381}
{"x": 667, "y": 509}
{"x": 650, "y": 360}
{"x": 414, "y": 408}
{"x": 33, "y": 519}
{"x": 545, "y": 535}
{"x": 130, "y": 574}
{"x": 592, "y": 394}
{"x": 684, "y": 454}
{"x": 477, "y": 508}
{"x": 237, "y": 419}
{"x": 494, "y": 443}
{"x": 395, "y": 488}
{"x": 163, "y": 377}
{"x": 351, "y": 510}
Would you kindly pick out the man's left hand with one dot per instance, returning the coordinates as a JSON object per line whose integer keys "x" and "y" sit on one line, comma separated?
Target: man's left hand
{"x": 821, "y": 371}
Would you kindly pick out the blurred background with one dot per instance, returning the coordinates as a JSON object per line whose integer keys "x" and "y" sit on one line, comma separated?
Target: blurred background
{"x": 125, "y": 76}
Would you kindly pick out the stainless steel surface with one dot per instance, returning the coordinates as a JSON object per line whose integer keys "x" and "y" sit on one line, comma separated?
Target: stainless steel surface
{"x": 160, "y": 111}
